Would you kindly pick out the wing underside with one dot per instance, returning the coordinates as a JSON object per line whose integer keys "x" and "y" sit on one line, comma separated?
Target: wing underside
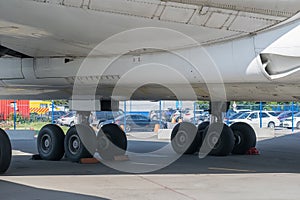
{"x": 75, "y": 27}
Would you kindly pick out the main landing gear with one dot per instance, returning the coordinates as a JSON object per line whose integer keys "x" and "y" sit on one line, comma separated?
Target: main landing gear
{"x": 214, "y": 137}
{"x": 81, "y": 141}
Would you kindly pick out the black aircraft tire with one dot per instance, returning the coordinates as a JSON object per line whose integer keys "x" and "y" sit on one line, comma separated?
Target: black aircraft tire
{"x": 218, "y": 139}
{"x": 203, "y": 126}
{"x": 80, "y": 142}
{"x": 111, "y": 141}
{"x": 200, "y": 133}
{"x": 245, "y": 138}
{"x": 184, "y": 138}
{"x": 5, "y": 152}
{"x": 50, "y": 142}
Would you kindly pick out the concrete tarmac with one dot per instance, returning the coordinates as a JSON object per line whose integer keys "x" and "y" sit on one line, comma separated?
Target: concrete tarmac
{"x": 274, "y": 174}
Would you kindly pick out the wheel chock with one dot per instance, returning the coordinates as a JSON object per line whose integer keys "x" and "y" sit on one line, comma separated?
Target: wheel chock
{"x": 252, "y": 151}
{"x": 121, "y": 158}
{"x": 89, "y": 161}
{"x": 95, "y": 160}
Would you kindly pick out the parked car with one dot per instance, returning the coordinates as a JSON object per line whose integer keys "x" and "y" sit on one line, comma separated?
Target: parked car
{"x": 253, "y": 118}
{"x": 98, "y": 117}
{"x": 67, "y": 120}
{"x": 287, "y": 123}
{"x": 56, "y": 115}
{"x": 135, "y": 122}
{"x": 284, "y": 115}
{"x": 234, "y": 115}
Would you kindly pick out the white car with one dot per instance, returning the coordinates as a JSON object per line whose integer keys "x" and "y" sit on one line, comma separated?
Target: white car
{"x": 287, "y": 123}
{"x": 67, "y": 120}
{"x": 253, "y": 118}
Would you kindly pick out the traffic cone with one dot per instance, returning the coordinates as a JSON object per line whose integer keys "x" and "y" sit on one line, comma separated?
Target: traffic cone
{"x": 156, "y": 128}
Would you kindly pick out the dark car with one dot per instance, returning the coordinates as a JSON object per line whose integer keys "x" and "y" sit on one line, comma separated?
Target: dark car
{"x": 56, "y": 115}
{"x": 98, "y": 117}
{"x": 135, "y": 122}
{"x": 233, "y": 116}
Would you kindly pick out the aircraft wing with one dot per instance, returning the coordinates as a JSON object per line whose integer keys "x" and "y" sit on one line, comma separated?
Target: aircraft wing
{"x": 74, "y": 27}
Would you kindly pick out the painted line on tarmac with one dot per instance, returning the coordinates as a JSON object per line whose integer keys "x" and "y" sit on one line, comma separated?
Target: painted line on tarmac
{"x": 138, "y": 163}
{"x": 150, "y": 155}
{"x": 229, "y": 169}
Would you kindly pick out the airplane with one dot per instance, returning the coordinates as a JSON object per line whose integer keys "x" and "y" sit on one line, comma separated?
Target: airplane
{"x": 99, "y": 52}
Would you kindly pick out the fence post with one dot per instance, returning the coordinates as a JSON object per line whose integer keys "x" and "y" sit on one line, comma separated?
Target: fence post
{"x": 293, "y": 126}
{"x": 52, "y": 113}
{"x": 125, "y": 114}
{"x": 15, "y": 114}
{"x": 260, "y": 114}
{"x": 160, "y": 114}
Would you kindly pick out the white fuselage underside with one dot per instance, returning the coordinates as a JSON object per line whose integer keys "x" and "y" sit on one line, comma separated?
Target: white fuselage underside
{"x": 137, "y": 49}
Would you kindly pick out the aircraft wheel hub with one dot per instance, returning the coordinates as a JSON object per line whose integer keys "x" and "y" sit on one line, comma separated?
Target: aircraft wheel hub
{"x": 74, "y": 144}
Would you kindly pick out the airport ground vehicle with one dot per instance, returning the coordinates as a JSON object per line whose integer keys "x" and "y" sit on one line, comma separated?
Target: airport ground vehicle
{"x": 40, "y": 107}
